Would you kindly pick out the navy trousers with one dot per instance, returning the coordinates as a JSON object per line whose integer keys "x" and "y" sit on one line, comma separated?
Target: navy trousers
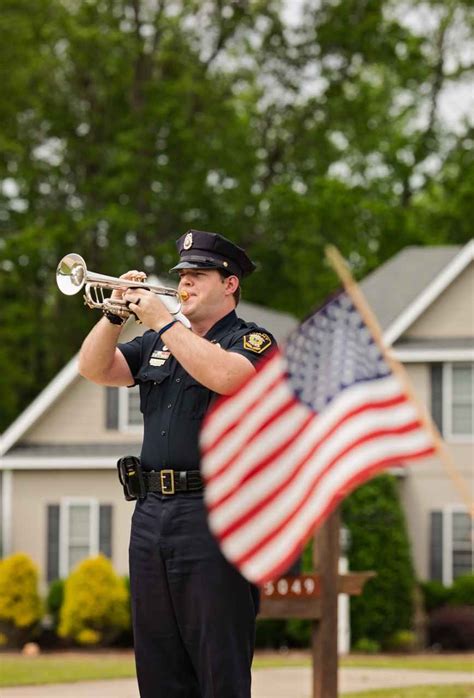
{"x": 193, "y": 613}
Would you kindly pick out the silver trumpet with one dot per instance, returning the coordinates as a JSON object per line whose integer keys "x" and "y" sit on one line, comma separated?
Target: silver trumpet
{"x": 72, "y": 275}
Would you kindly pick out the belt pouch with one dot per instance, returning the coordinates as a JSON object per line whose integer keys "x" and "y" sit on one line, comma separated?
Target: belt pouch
{"x": 131, "y": 478}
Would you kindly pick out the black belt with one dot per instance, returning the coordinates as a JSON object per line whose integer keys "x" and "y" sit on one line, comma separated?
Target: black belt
{"x": 172, "y": 481}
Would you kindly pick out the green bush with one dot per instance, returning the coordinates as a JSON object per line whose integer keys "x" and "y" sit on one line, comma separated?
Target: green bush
{"x": 96, "y": 604}
{"x": 379, "y": 542}
{"x": 462, "y": 591}
{"x": 366, "y": 646}
{"x": 435, "y": 595}
{"x": 20, "y": 604}
{"x": 55, "y": 600}
{"x": 401, "y": 641}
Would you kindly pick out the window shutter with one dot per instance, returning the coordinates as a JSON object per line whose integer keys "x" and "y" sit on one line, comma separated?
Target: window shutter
{"x": 105, "y": 530}
{"x": 52, "y": 546}
{"x": 112, "y": 408}
{"x": 436, "y": 546}
{"x": 437, "y": 395}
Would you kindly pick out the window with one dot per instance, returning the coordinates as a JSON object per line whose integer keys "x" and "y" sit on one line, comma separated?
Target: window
{"x": 461, "y": 544}
{"x": 77, "y": 528}
{"x": 79, "y": 532}
{"x": 452, "y": 544}
{"x": 458, "y": 389}
{"x": 130, "y": 417}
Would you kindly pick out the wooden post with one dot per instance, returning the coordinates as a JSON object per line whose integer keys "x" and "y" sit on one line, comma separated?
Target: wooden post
{"x": 324, "y": 636}
{"x": 314, "y": 596}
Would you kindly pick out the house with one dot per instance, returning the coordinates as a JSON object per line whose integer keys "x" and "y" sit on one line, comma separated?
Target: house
{"x": 60, "y": 499}
{"x": 424, "y": 300}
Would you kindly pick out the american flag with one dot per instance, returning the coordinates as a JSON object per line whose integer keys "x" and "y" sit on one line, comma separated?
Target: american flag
{"x": 318, "y": 418}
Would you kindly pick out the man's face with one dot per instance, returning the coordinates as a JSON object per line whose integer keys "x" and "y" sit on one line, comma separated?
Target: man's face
{"x": 207, "y": 292}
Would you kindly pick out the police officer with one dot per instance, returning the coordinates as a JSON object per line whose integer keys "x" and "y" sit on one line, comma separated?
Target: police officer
{"x": 193, "y": 613}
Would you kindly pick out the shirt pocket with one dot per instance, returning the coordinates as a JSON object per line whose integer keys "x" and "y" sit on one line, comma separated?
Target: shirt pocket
{"x": 151, "y": 380}
{"x": 195, "y": 399}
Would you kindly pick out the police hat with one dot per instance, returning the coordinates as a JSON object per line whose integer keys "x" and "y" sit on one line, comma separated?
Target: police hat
{"x": 199, "y": 249}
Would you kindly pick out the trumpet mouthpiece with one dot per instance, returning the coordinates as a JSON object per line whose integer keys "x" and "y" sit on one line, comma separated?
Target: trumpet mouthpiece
{"x": 184, "y": 295}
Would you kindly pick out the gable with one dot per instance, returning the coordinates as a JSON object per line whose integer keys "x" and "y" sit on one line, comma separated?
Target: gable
{"x": 77, "y": 417}
{"x": 451, "y": 314}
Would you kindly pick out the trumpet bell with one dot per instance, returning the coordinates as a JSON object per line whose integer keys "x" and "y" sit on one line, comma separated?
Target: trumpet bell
{"x": 71, "y": 274}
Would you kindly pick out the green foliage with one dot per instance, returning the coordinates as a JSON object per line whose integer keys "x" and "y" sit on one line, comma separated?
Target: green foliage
{"x": 462, "y": 591}
{"x": 366, "y": 646}
{"x": 55, "y": 599}
{"x": 401, "y": 641}
{"x": 96, "y": 604}
{"x": 435, "y": 595}
{"x": 379, "y": 542}
{"x": 124, "y": 124}
{"x": 20, "y": 604}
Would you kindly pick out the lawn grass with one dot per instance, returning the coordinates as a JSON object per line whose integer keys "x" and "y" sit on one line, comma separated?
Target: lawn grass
{"x": 63, "y": 668}
{"x": 16, "y": 670}
{"x": 457, "y": 691}
{"x": 430, "y": 662}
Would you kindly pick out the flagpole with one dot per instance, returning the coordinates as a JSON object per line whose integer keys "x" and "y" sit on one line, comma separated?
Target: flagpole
{"x": 341, "y": 268}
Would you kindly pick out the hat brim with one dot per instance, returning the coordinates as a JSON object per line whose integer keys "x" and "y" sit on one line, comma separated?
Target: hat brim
{"x": 196, "y": 265}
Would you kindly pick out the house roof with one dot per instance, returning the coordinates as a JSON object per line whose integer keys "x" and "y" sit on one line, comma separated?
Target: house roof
{"x": 426, "y": 272}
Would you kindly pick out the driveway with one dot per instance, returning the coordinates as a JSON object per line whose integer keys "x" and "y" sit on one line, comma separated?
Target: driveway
{"x": 289, "y": 682}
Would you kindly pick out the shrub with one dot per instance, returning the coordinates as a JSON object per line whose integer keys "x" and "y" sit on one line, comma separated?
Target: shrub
{"x": 366, "y": 646}
{"x": 435, "y": 595}
{"x": 20, "y": 605}
{"x": 96, "y": 604}
{"x": 452, "y": 628}
{"x": 379, "y": 542}
{"x": 55, "y": 599}
{"x": 401, "y": 641}
{"x": 462, "y": 591}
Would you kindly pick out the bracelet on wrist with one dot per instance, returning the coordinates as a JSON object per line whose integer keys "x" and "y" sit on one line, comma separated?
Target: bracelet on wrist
{"x": 114, "y": 319}
{"x": 166, "y": 327}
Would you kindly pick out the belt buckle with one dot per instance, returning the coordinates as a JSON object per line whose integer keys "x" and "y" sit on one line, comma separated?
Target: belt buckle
{"x": 167, "y": 487}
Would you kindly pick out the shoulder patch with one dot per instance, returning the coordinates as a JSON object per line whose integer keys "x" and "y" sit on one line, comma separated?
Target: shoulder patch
{"x": 257, "y": 342}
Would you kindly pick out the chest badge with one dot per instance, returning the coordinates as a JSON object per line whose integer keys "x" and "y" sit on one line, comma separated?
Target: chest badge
{"x": 257, "y": 342}
{"x": 158, "y": 358}
{"x": 188, "y": 241}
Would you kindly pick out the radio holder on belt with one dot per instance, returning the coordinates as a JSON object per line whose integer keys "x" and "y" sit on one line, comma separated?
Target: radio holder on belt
{"x": 131, "y": 478}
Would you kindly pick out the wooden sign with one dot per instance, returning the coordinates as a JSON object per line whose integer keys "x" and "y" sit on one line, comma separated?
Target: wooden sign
{"x": 314, "y": 597}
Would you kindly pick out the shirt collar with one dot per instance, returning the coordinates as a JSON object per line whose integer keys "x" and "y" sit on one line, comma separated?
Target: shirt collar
{"x": 225, "y": 323}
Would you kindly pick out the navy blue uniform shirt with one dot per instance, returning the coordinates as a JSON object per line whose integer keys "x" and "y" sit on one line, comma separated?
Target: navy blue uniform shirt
{"x": 172, "y": 402}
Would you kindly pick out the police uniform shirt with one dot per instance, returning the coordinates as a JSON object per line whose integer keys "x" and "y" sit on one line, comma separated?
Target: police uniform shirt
{"x": 172, "y": 402}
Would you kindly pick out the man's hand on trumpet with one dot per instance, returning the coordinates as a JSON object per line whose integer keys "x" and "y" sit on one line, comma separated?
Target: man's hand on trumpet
{"x": 132, "y": 275}
{"x": 148, "y": 308}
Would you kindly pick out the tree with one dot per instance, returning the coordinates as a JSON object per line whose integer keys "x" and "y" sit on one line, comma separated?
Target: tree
{"x": 379, "y": 542}
{"x": 128, "y": 122}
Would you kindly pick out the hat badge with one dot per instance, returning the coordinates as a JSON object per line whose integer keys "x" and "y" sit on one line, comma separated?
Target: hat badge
{"x": 188, "y": 241}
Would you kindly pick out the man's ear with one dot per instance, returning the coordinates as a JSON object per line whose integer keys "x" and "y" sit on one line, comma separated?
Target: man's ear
{"x": 231, "y": 284}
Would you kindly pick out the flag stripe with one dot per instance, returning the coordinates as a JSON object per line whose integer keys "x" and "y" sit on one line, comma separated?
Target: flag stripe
{"x": 248, "y": 465}
{"x": 230, "y": 411}
{"x": 290, "y": 527}
{"x": 278, "y": 480}
{"x": 260, "y": 572}
{"x": 256, "y": 422}
{"x": 354, "y": 398}
{"x": 315, "y": 466}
